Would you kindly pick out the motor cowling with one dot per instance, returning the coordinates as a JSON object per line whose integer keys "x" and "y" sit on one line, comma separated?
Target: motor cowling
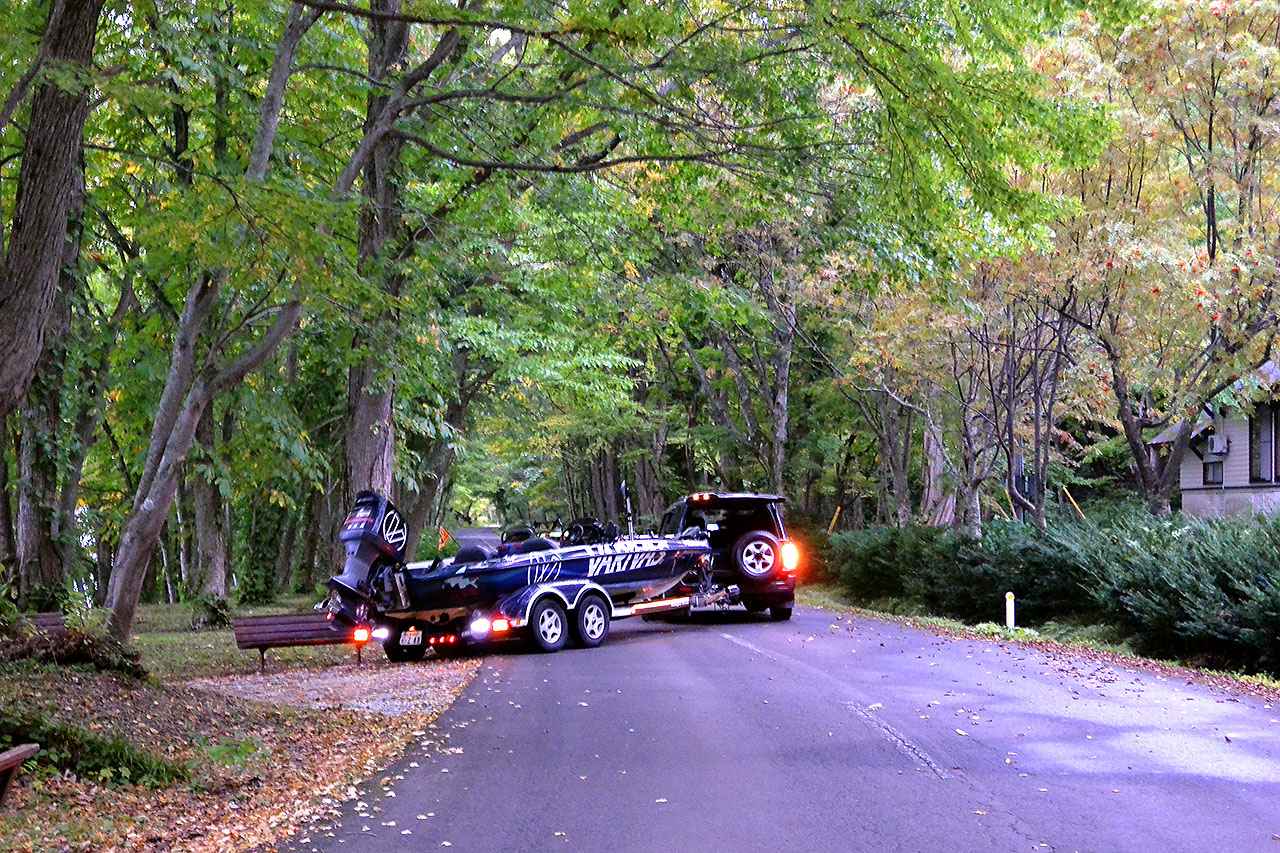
{"x": 375, "y": 534}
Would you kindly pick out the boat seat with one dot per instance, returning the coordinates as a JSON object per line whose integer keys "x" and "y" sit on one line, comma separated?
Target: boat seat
{"x": 472, "y": 554}
{"x": 537, "y": 543}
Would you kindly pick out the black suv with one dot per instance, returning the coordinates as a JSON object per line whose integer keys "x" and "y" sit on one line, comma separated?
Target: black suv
{"x": 749, "y": 543}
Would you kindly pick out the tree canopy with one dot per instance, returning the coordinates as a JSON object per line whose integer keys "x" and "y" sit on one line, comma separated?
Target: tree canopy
{"x": 892, "y": 259}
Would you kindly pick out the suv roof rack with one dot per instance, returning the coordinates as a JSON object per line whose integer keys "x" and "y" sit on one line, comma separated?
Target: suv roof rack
{"x": 699, "y": 497}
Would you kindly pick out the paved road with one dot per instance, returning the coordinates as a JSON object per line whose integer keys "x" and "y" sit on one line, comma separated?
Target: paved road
{"x": 849, "y": 735}
{"x": 489, "y": 537}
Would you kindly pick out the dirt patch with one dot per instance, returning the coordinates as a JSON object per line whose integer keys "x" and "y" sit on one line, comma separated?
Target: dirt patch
{"x": 390, "y": 690}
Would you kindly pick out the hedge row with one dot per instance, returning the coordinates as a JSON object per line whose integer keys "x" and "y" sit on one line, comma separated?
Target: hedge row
{"x": 1186, "y": 588}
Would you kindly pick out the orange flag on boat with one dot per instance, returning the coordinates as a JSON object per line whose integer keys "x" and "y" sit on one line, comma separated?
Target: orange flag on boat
{"x": 445, "y": 539}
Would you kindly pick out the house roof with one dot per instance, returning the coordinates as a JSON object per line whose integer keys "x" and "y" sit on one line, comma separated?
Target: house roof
{"x": 1267, "y": 374}
{"x": 1169, "y": 433}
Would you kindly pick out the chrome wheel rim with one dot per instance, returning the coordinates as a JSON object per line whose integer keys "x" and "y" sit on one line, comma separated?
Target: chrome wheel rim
{"x": 593, "y": 620}
{"x": 550, "y": 626}
{"x": 757, "y": 558}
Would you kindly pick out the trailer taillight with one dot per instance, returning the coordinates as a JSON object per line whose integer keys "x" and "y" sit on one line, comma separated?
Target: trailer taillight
{"x": 790, "y": 556}
{"x": 500, "y": 625}
{"x": 360, "y": 635}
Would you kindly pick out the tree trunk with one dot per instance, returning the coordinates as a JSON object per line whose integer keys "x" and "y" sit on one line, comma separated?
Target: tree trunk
{"x": 370, "y": 432}
{"x": 46, "y": 188}
{"x": 8, "y": 547}
{"x": 370, "y": 400}
{"x": 284, "y": 554}
{"x": 968, "y": 518}
{"x": 211, "y": 535}
{"x": 934, "y": 500}
{"x": 182, "y": 404}
{"x": 188, "y": 573}
{"x": 38, "y": 556}
{"x": 142, "y": 530}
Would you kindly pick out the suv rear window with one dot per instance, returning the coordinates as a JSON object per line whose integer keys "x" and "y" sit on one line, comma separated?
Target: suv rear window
{"x": 755, "y": 516}
{"x": 670, "y": 520}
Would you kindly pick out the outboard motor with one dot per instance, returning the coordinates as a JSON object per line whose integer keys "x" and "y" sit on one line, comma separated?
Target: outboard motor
{"x": 375, "y": 534}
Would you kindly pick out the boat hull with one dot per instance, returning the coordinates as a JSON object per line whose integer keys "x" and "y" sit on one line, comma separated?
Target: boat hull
{"x": 628, "y": 570}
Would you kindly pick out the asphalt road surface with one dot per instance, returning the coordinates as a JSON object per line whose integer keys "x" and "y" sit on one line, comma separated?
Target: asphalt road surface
{"x": 824, "y": 734}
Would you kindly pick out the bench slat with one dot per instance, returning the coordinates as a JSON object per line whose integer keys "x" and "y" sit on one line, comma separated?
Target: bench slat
{"x": 49, "y": 623}
{"x": 282, "y": 639}
{"x": 283, "y": 618}
{"x": 287, "y": 629}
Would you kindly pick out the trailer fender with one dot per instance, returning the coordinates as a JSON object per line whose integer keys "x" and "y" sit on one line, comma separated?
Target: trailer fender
{"x": 518, "y": 605}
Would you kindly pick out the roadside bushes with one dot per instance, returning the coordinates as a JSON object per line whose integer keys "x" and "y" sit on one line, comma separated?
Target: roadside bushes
{"x": 953, "y": 575}
{"x": 1187, "y": 588}
{"x": 77, "y": 645}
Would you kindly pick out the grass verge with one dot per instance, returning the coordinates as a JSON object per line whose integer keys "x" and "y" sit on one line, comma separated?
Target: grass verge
{"x": 1097, "y": 640}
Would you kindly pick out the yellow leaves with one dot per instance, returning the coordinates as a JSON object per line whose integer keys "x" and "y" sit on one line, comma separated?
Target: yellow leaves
{"x": 630, "y": 270}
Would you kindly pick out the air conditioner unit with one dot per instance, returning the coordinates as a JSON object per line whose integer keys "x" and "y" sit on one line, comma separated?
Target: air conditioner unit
{"x": 1218, "y": 445}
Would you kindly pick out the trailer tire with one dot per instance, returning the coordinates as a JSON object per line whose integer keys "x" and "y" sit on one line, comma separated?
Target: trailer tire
{"x": 780, "y": 613}
{"x": 591, "y": 620}
{"x": 757, "y": 554}
{"x": 549, "y": 624}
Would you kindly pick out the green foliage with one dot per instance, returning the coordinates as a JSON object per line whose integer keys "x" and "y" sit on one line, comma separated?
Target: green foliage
{"x": 107, "y": 760}
{"x": 230, "y": 752}
{"x": 210, "y": 612}
{"x": 9, "y": 612}
{"x": 1208, "y": 590}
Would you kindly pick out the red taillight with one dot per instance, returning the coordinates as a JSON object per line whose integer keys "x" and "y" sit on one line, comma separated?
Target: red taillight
{"x": 790, "y": 556}
{"x": 500, "y": 625}
{"x": 360, "y": 635}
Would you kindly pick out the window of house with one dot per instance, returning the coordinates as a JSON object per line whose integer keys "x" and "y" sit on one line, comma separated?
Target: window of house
{"x": 1213, "y": 473}
{"x": 1274, "y": 408}
{"x": 1261, "y": 439}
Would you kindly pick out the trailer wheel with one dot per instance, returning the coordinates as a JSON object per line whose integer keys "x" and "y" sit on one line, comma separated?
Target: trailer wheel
{"x": 549, "y": 624}
{"x": 757, "y": 554}
{"x": 591, "y": 620}
{"x": 780, "y": 613}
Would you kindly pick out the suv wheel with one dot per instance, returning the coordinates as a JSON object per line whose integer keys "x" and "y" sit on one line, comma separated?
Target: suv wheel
{"x": 780, "y": 613}
{"x": 757, "y": 554}
{"x": 591, "y": 620}
{"x": 549, "y": 624}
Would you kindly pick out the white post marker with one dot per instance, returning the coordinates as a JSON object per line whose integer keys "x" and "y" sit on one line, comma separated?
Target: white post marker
{"x": 1008, "y": 610}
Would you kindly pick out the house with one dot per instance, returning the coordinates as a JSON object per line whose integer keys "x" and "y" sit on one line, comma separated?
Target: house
{"x": 1233, "y": 464}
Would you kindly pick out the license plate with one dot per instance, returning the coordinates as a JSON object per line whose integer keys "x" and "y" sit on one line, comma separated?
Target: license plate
{"x": 412, "y": 637}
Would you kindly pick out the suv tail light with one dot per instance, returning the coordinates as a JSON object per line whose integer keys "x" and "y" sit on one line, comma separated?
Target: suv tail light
{"x": 790, "y": 556}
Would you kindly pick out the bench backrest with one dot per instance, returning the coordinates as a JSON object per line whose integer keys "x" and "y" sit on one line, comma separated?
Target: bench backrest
{"x": 50, "y": 623}
{"x": 289, "y": 629}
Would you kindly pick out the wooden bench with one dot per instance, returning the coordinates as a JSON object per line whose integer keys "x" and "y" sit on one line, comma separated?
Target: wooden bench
{"x": 11, "y": 762}
{"x": 52, "y": 624}
{"x": 290, "y": 629}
